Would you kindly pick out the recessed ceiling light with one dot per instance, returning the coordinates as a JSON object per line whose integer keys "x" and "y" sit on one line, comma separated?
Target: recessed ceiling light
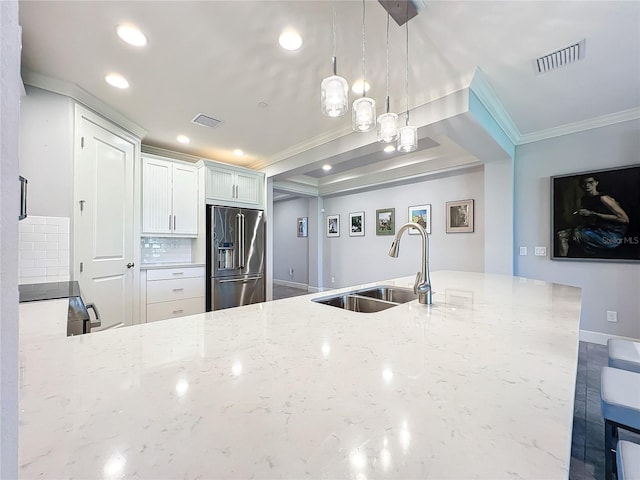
{"x": 132, "y": 35}
{"x": 290, "y": 40}
{"x": 357, "y": 87}
{"x": 389, "y": 148}
{"x": 238, "y": 153}
{"x": 326, "y": 168}
{"x": 116, "y": 80}
{"x": 183, "y": 139}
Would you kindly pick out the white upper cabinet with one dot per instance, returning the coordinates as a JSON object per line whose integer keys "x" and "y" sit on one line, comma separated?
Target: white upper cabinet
{"x": 169, "y": 197}
{"x": 234, "y": 186}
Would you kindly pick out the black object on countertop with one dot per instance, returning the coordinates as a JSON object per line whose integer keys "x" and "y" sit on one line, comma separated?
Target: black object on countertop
{"x": 33, "y": 292}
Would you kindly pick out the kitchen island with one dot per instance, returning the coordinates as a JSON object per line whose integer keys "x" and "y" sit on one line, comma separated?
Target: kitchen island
{"x": 478, "y": 385}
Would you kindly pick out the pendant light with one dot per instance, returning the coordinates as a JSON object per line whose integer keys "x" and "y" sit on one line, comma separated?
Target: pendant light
{"x": 364, "y": 108}
{"x": 407, "y": 135}
{"x": 387, "y": 122}
{"x": 334, "y": 91}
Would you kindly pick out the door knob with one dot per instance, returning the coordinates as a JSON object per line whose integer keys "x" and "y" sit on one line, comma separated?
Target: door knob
{"x": 130, "y": 265}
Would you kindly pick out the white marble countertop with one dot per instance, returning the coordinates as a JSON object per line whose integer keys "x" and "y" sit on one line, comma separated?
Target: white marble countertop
{"x": 479, "y": 385}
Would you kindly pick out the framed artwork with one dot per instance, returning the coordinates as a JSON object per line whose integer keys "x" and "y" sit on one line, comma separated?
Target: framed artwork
{"x": 333, "y": 225}
{"x": 420, "y": 214}
{"x": 459, "y": 216}
{"x": 385, "y": 221}
{"x": 356, "y": 224}
{"x": 302, "y": 226}
{"x": 595, "y": 215}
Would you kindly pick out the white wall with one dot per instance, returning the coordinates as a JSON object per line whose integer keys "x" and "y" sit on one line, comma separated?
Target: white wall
{"x": 606, "y": 286}
{"x": 10, "y": 87}
{"x": 355, "y": 260}
{"x": 290, "y": 251}
{"x": 46, "y": 152}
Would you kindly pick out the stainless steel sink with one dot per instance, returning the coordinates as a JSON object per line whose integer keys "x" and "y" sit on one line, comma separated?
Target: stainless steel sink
{"x": 389, "y": 294}
{"x": 369, "y": 300}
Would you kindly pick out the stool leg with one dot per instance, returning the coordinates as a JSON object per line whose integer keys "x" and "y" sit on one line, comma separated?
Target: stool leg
{"x": 608, "y": 448}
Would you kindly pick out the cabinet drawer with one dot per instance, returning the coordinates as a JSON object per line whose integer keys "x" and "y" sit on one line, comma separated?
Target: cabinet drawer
{"x": 170, "y": 273}
{"x": 176, "y": 289}
{"x": 177, "y": 308}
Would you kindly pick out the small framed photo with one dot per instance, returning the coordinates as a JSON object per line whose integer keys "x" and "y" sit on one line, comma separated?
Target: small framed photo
{"x": 302, "y": 226}
{"x": 356, "y": 224}
{"x": 420, "y": 214}
{"x": 459, "y": 216}
{"x": 333, "y": 225}
{"x": 385, "y": 221}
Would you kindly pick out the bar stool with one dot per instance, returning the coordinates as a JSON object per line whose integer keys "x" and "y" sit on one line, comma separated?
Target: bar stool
{"x": 620, "y": 406}
{"x": 624, "y": 354}
{"x": 628, "y": 460}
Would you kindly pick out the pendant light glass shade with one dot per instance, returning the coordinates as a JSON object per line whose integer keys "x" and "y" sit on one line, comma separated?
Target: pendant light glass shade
{"x": 407, "y": 135}
{"x": 364, "y": 109}
{"x": 334, "y": 90}
{"x": 364, "y": 114}
{"x": 387, "y": 127}
{"x": 407, "y": 139}
{"x": 334, "y": 96}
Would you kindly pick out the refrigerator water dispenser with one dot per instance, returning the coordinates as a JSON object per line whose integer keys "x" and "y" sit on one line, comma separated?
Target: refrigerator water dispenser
{"x": 225, "y": 256}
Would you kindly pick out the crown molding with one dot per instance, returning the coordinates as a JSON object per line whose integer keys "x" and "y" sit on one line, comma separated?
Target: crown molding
{"x": 80, "y": 95}
{"x": 487, "y": 96}
{"x": 570, "y": 128}
{"x": 163, "y": 152}
{"x": 296, "y": 187}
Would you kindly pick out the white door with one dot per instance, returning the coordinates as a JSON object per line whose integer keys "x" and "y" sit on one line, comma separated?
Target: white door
{"x": 103, "y": 226}
{"x": 185, "y": 199}
{"x": 248, "y": 187}
{"x": 156, "y": 196}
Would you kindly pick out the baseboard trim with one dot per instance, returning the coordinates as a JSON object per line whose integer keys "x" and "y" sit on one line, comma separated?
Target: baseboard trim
{"x": 286, "y": 283}
{"x": 600, "y": 338}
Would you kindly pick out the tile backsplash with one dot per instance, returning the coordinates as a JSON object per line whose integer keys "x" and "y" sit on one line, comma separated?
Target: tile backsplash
{"x": 44, "y": 249}
{"x": 165, "y": 250}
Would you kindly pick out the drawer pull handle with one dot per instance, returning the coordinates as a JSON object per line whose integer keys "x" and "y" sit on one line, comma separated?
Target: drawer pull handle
{"x": 178, "y": 289}
{"x": 177, "y": 273}
{"x": 177, "y": 311}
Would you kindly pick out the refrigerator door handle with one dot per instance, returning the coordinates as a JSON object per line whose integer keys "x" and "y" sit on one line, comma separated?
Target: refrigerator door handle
{"x": 235, "y": 280}
{"x": 241, "y": 242}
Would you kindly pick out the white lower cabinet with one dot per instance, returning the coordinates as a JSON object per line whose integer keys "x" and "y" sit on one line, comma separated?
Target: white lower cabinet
{"x": 175, "y": 292}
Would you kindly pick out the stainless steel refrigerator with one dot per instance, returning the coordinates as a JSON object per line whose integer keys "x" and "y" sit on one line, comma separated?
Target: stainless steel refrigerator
{"x": 235, "y": 257}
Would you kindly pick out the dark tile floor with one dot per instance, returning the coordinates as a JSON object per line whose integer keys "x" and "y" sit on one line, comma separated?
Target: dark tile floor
{"x": 280, "y": 291}
{"x": 587, "y": 446}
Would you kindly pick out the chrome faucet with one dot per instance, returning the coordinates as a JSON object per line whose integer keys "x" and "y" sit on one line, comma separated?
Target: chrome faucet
{"x": 422, "y": 286}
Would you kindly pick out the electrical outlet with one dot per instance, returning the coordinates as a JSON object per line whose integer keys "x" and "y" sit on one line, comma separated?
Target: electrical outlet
{"x": 333, "y": 279}
{"x": 612, "y": 316}
{"x": 540, "y": 251}
{"x": 523, "y": 250}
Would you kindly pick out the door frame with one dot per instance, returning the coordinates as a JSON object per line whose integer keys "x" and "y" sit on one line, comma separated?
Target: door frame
{"x": 80, "y": 113}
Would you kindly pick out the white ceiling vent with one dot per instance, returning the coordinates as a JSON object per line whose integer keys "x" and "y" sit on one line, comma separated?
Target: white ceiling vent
{"x": 559, "y": 58}
{"x": 206, "y": 120}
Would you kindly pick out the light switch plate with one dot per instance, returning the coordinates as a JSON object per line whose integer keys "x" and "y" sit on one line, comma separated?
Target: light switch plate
{"x": 541, "y": 251}
{"x": 523, "y": 250}
{"x": 612, "y": 316}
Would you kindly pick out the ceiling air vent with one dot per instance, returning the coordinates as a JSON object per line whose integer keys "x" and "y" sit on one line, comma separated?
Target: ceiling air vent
{"x": 206, "y": 121}
{"x": 560, "y": 58}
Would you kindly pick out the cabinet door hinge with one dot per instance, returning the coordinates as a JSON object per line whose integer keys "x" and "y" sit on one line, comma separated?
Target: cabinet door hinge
{"x": 81, "y": 267}
{"x": 81, "y": 142}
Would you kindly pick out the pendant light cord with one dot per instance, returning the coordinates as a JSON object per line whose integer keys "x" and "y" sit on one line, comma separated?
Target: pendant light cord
{"x": 388, "y": 62}
{"x": 363, "y": 56}
{"x": 407, "y": 71}
{"x": 333, "y": 29}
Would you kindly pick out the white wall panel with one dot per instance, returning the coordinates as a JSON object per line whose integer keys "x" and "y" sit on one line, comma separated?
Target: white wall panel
{"x": 606, "y": 285}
